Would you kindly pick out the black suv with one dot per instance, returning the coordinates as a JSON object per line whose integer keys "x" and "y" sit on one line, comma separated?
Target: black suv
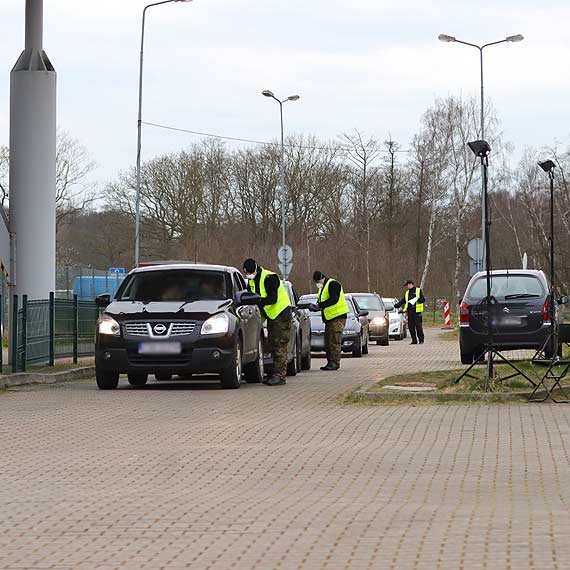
{"x": 520, "y": 313}
{"x": 179, "y": 319}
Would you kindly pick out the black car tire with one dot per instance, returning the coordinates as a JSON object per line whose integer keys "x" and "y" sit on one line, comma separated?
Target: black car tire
{"x": 365, "y": 348}
{"x": 550, "y": 351}
{"x": 466, "y": 357}
{"x": 384, "y": 341}
{"x": 306, "y": 360}
{"x": 163, "y": 377}
{"x": 255, "y": 371}
{"x": 357, "y": 348}
{"x": 137, "y": 379}
{"x": 106, "y": 380}
{"x": 294, "y": 365}
{"x": 231, "y": 376}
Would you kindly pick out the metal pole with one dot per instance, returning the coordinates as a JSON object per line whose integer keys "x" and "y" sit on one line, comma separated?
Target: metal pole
{"x": 282, "y": 174}
{"x": 139, "y": 135}
{"x": 24, "y": 331}
{"x": 51, "y": 328}
{"x": 483, "y": 204}
{"x": 14, "y": 334}
{"x": 75, "y": 327}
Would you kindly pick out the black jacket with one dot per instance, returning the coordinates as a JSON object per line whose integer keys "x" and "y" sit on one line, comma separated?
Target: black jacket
{"x": 411, "y": 308}
{"x": 271, "y": 286}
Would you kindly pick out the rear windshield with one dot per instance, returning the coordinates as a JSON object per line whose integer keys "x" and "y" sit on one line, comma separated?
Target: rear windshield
{"x": 389, "y": 305}
{"x": 369, "y": 302}
{"x": 174, "y": 285}
{"x": 506, "y": 286}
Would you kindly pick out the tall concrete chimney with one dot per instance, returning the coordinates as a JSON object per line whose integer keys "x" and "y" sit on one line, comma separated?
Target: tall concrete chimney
{"x": 32, "y": 161}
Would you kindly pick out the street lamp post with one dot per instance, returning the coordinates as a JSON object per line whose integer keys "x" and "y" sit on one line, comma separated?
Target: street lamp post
{"x": 268, "y": 93}
{"x": 139, "y": 133}
{"x": 515, "y": 38}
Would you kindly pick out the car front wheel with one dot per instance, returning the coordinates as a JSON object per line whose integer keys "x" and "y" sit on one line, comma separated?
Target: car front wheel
{"x": 294, "y": 366}
{"x": 255, "y": 371}
{"x": 106, "y": 380}
{"x": 231, "y": 376}
{"x": 357, "y": 349}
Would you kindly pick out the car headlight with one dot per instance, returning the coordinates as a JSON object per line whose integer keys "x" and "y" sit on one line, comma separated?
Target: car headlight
{"x": 108, "y": 325}
{"x": 218, "y": 324}
{"x": 379, "y": 321}
{"x": 394, "y": 319}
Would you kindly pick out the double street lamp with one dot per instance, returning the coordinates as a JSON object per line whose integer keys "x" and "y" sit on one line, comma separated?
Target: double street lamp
{"x": 270, "y": 94}
{"x": 139, "y": 133}
{"x": 515, "y": 38}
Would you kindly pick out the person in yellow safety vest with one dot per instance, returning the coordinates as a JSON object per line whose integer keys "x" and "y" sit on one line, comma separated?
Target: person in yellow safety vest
{"x": 275, "y": 306}
{"x": 413, "y": 303}
{"x": 334, "y": 309}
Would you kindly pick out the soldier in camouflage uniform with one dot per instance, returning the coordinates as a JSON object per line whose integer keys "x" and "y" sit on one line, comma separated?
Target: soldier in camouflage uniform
{"x": 334, "y": 309}
{"x": 275, "y": 306}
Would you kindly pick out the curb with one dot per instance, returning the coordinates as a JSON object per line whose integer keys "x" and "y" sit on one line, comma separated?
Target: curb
{"x": 24, "y": 378}
{"x": 446, "y": 397}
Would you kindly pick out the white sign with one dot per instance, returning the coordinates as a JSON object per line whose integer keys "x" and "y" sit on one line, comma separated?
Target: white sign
{"x": 285, "y": 254}
{"x": 285, "y": 269}
{"x": 475, "y": 249}
{"x": 525, "y": 260}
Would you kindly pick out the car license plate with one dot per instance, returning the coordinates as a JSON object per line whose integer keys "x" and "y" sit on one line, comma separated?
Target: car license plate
{"x": 160, "y": 348}
{"x": 510, "y": 321}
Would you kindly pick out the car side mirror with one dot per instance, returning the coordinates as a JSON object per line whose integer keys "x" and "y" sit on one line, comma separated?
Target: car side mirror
{"x": 363, "y": 313}
{"x": 303, "y": 305}
{"x": 103, "y": 301}
{"x": 564, "y": 300}
{"x": 247, "y": 298}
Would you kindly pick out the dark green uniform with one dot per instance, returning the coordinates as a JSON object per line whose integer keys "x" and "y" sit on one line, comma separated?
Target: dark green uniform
{"x": 334, "y": 307}
{"x": 276, "y": 308}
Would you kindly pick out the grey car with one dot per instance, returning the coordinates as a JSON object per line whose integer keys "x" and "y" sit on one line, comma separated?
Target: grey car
{"x": 378, "y": 317}
{"x": 355, "y": 336}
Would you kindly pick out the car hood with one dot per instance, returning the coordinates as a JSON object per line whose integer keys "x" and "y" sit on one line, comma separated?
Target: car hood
{"x": 198, "y": 310}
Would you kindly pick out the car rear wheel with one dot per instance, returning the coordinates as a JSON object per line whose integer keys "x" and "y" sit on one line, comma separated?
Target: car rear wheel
{"x": 255, "y": 371}
{"x": 306, "y": 360}
{"x": 295, "y": 364}
{"x": 231, "y": 376}
{"x": 137, "y": 379}
{"x": 357, "y": 349}
{"x": 466, "y": 357}
{"x": 106, "y": 380}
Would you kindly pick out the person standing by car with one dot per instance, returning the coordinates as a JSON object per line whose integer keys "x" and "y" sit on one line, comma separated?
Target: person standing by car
{"x": 332, "y": 303}
{"x": 413, "y": 303}
{"x": 275, "y": 307}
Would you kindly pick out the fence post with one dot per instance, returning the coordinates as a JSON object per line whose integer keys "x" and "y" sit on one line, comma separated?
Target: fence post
{"x": 14, "y": 334}
{"x": 51, "y": 327}
{"x": 434, "y": 303}
{"x": 24, "y": 331}
{"x": 75, "y": 327}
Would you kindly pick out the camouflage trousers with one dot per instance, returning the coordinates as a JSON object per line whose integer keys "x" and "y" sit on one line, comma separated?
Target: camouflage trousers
{"x": 333, "y": 339}
{"x": 278, "y": 332}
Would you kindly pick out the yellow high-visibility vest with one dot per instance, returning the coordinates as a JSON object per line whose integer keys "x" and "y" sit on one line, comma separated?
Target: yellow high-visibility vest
{"x": 336, "y": 310}
{"x": 419, "y": 306}
{"x": 283, "y": 301}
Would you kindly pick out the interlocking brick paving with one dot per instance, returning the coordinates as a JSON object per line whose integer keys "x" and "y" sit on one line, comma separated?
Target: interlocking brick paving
{"x": 172, "y": 477}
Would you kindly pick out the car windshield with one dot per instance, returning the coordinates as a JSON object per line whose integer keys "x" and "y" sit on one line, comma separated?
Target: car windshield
{"x": 505, "y": 287}
{"x": 174, "y": 285}
{"x": 368, "y": 302}
{"x": 389, "y": 304}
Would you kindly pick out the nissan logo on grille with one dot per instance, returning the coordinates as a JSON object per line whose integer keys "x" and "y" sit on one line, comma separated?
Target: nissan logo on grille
{"x": 159, "y": 329}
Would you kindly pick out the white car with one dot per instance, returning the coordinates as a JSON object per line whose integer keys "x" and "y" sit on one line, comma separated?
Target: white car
{"x": 398, "y": 327}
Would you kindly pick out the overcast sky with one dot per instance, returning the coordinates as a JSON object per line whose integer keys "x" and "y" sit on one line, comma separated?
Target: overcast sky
{"x": 375, "y": 65}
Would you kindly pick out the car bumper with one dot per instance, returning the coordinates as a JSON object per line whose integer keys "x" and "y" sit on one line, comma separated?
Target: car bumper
{"x": 395, "y": 329}
{"x": 348, "y": 342}
{"x": 471, "y": 340}
{"x": 378, "y": 332}
{"x": 211, "y": 355}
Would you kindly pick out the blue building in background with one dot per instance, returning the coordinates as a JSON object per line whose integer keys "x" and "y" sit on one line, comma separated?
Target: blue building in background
{"x": 87, "y": 287}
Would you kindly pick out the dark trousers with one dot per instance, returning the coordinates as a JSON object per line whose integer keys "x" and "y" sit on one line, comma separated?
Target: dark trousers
{"x": 333, "y": 339}
{"x": 278, "y": 332}
{"x": 415, "y": 324}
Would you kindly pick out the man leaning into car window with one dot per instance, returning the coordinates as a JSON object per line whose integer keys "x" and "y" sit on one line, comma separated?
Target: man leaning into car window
{"x": 275, "y": 306}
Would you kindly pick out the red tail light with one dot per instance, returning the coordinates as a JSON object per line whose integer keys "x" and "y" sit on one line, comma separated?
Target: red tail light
{"x": 464, "y": 314}
{"x": 546, "y": 311}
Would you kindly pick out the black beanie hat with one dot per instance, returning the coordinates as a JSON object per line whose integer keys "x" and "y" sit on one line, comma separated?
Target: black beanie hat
{"x": 250, "y": 265}
{"x": 318, "y": 275}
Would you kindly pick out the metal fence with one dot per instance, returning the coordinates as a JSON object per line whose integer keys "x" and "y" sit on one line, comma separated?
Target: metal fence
{"x": 48, "y": 329}
{"x": 85, "y": 282}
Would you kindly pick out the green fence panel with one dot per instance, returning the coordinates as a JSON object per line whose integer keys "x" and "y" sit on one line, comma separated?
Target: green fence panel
{"x": 37, "y": 332}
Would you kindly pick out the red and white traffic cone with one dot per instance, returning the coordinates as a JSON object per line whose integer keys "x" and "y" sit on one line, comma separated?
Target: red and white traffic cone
{"x": 446, "y": 316}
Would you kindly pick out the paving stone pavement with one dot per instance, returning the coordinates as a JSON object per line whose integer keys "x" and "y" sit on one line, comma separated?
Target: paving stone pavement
{"x": 192, "y": 476}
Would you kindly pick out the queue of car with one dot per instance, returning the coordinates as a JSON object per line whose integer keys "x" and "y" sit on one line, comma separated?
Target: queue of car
{"x": 185, "y": 319}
